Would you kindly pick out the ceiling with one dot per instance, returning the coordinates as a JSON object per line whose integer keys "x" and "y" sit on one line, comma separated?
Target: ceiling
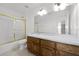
{"x": 25, "y": 8}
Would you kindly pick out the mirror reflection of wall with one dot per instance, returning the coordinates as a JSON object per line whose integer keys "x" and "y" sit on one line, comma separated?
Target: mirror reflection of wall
{"x": 61, "y": 27}
{"x": 49, "y": 23}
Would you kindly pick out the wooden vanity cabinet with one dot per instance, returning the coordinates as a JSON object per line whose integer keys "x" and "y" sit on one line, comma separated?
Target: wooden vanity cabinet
{"x": 49, "y": 48}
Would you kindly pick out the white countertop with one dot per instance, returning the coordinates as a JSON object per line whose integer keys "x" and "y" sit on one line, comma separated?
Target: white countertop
{"x": 67, "y": 39}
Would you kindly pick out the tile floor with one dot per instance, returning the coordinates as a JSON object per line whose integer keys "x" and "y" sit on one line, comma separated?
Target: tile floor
{"x": 18, "y": 52}
{"x": 19, "y": 48}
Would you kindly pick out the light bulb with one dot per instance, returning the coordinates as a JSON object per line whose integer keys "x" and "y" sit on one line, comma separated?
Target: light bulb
{"x": 63, "y": 6}
{"x": 56, "y": 8}
{"x": 44, "y": 12}
{"x": 41, "y": 13}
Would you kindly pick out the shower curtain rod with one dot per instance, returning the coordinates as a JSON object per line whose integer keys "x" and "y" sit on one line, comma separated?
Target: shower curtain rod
{"x": 13, "y": 17}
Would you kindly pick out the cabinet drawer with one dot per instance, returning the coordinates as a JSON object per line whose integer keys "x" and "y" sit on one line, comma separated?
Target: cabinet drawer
{"x": 47, "y": 44}
{"x": 47, "y": 52}
{"x": 63, "y": 53}
{"x": 33, "y": 39}
{"x": 68, "y": 48}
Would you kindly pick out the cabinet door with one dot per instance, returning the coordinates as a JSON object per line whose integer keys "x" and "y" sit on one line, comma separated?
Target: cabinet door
{"x": 33, "y": 45}
{"x": 63, "y": 53}
{"x": 47, "y": 52}
{"x": 68, "y": 48}
{"x": 30, "y": 46}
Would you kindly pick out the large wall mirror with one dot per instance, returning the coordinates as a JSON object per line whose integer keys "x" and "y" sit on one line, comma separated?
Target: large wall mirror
{"x": 60, "y": 22}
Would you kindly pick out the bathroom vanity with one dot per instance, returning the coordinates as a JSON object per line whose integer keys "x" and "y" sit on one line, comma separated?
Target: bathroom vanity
{"x": 45, "y": 45}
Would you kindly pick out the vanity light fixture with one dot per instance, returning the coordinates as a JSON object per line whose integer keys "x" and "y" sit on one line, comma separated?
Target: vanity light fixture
{"x": 42, "y": 12}
{"x": 60, "y": 6}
